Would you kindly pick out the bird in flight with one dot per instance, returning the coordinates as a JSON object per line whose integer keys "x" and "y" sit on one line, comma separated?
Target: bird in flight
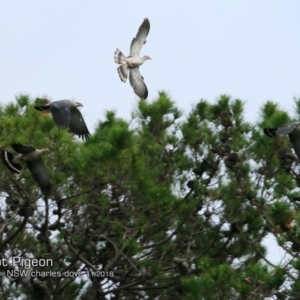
{"x": 292, "y": 129}
{"x": 130, "y": 65}
{"x": 32, "y": 157}
{"x": 66, "y": 115}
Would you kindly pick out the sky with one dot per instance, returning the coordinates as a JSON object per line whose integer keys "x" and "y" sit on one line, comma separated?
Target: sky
{"x": 200, "y": 49}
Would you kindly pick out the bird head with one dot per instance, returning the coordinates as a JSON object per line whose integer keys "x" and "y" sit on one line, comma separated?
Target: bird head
{"x": 78, "y": 104}
{"x": 45, "y": 150}
{"x": 147, "y": 57}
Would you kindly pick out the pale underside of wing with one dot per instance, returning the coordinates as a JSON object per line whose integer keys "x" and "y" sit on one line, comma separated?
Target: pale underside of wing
{"x": 140, "y": 39}
{"x": 286, "y": 129}
{"x": 138, "y": 84}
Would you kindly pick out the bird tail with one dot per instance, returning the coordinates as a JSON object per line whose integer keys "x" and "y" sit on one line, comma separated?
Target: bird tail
{"x": 123, "y": 72}
{"x": 271, "y": 132}
{"x": 120, "y": 58}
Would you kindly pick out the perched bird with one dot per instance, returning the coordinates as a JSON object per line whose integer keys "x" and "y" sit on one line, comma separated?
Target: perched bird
{"x": 32, "y": 157}
{"x": 66, "y": 115}
{"x": 292, "y": 129}
{"x": 131, "y": 63}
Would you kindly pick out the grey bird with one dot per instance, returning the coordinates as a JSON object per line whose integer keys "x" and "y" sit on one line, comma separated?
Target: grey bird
{"x": 66, "y": 115}
{"x": 292, "y": 129}
{"x": 130, "y": 65}
{"x": 30, "y": 156}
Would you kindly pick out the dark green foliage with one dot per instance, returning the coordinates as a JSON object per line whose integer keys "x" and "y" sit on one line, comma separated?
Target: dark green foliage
{"x": 167, "y": 206}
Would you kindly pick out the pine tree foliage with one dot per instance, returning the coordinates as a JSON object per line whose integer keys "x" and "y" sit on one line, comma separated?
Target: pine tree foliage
{"x": 170, "y": 205}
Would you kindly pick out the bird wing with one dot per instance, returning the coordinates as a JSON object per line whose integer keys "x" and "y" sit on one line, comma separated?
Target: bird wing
{"x": 292, "y": 129}
{"x": 7, "y": 158}
{"x": 296, "y": 146}
{"x": 137, "y": 83}
{"x": 23, "y": 148}
{"x": 286, "y": 129}
{"x": 40, "y": 174}
{"x": 77, "y": 124}
{"x": 61, "y": 113}
{"x": 294, "y": 136}
{"x": 140, "y": 39}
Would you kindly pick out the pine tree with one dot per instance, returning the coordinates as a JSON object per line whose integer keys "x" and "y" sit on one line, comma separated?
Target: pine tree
{"x": 166, "y": 206}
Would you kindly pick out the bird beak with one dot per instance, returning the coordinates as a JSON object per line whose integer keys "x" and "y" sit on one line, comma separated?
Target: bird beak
{"x": 78, "y": 104}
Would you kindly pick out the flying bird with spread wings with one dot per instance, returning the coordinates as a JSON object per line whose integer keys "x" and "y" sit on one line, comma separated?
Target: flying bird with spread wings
{"x": 130, "y": 65}
{"x": 30, "y": 156}
{"x": 292, "y": 129}
{"x": 66, "y": 115}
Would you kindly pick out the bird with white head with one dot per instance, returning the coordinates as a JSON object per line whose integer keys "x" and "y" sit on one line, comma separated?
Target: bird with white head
{"x": 66, "y": 115}
{"x": 130, "y": 65}
{"x": 32, "y": 157}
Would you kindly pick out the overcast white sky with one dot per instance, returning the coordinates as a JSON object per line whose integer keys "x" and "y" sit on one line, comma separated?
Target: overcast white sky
{"x": 64, "y": 49}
